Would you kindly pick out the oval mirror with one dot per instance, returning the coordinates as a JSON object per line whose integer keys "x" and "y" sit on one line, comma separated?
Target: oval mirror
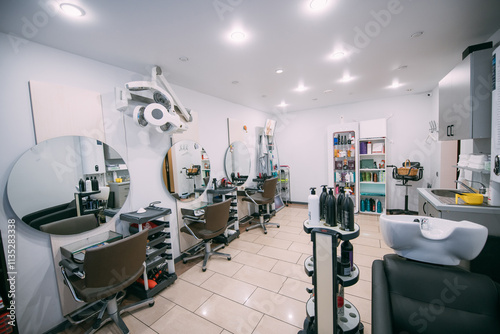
{"x": 237, "y": 163}
{"x": 48, "y": 187}
{"x": 186, "y": 170}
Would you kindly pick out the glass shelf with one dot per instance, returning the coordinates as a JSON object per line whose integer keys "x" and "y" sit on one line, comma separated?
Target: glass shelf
{"x": 482, "y": 171}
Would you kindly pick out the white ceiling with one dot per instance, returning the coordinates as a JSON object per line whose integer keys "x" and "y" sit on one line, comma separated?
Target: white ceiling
{"x": 285, "y": 34}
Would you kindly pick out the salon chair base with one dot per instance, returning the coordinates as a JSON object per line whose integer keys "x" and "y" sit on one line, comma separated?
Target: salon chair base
{"x": 106, "y": 311}
{"x": 209, "y": 251}
{"x": 263, "y": 222}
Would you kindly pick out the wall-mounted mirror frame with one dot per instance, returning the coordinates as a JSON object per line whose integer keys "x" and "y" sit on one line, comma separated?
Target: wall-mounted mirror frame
{"x": 44, "y": 187}
{"x": 186, "y": 170}
{"x": 237, "y": 163}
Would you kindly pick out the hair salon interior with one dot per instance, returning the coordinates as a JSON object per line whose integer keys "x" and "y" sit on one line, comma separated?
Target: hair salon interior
{"x": 136, "y": 135}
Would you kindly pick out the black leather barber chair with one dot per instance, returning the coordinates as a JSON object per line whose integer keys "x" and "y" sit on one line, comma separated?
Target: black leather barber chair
{"x": 413, "y": 297}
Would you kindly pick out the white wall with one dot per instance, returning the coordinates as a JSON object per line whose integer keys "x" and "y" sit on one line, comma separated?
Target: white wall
{"x": 302, "y": 141}
{"x": 37, "y": 300}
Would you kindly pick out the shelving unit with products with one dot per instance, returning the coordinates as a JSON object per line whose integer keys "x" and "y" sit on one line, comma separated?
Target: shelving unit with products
{"x": 344, "y": 156}
{"x": 372, "y": 175}
{"x": 160, "y": 267}
{"x": 285, "y": 183}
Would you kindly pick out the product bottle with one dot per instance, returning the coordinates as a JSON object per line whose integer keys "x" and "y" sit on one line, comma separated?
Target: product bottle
{"x": 81, "y": 186}
{"x": 362, "y": 205}
{"x": 331, "y": 209}
{"x": 347, "y": 212}
{"x": 322, "y": 203}
{"x": 347, "y": 254}
{"x": 340, "y": 200}
{"x": 379, "y": 206}
{"x": 369, "y": 148}
{"x": 340, "y": 300}
{"x": 88, "y": 184}
{"x": 372, "y": 205}
{"x": 313, "y": 207}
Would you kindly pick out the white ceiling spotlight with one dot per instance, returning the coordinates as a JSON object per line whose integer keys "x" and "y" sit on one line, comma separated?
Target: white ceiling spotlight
{"x": 301, "y": 88}
{"x": 395, "y": 84}
{"x": 346, "y": 78}
{"x": 337, "y": 55}
{"x": 71, "y": 10}
{"x": 283, "y": 104}
{"x": 238, "y": 36}
{"x": 317, "y": 4}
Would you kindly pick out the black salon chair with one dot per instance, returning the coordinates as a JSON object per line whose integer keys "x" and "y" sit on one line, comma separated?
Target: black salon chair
{"x": 213, "y": 224}
{"x": 107, "y": 271}
{"x": 415, "y": 297}
{"x": 264, "y": 197}
{"x": 71, "y": 226}
{"x": 410, "y": 171}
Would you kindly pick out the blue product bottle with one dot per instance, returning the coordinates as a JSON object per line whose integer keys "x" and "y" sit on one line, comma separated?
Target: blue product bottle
{"x": 379, "y": 206}
{"x": 362, "y": 205}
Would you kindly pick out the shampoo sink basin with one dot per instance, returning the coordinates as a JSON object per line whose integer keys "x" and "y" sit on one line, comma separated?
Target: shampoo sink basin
{"x": 433, "y": 240}
{"x": 445, "y": 192}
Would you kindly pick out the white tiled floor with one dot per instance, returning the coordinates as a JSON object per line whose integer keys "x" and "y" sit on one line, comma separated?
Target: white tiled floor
{"x": 261, "y": 290}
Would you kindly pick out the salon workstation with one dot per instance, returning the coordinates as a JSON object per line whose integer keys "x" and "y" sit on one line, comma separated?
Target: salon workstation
{"x": 222, "y": 167}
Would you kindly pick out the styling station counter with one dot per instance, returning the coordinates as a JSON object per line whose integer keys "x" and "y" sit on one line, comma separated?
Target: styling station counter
{"x": 433, "y": 205}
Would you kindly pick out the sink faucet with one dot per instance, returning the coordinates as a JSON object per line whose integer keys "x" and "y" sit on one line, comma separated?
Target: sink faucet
{"x": 482, "y": 190}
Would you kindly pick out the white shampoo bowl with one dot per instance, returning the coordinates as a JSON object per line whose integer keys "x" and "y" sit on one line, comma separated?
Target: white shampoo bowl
{"x": 433, "y": 240}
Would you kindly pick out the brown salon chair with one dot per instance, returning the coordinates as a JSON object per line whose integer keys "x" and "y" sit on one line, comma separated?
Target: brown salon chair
{"x": 264, "y": 197}
{"x": 213, "y": 224}
{"x": 107, "y": 271}
{"x": 71, "y": 226}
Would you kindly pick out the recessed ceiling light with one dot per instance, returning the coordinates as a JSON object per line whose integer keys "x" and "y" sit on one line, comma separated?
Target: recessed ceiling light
{"x": 235, "y": 82}
{"x": 317, "y": 4}
{"x": 238, "y": 36}
{"x": 301, "y": 88}
{"x": 279, "y": 71}
{"x": 395, "y": 84}
{"x": 183, "y": 58}
{"x": 282, "y": 104}
{"x": 264, "y": 96}
{"x": 315, "y": 99}
{"x": 346, "y": 78}
{"x": 328, "y": 91}
{"x": 71, "y": 10}
{"x": 402, "y": 67}
{"x": 409, "y": 90}
{"x": 417, "y": 34}
{"x": 338, "y": 55}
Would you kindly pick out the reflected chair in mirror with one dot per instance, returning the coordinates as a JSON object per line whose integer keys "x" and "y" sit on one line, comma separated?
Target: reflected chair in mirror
{"x": 213, "y": 224}
{"x": 410, "y": 171}
{"x": 264, "y": 197}
{"x": 49, "y": 215}
{"x": 70, "y": 226}
{"x": 107, "y": 271}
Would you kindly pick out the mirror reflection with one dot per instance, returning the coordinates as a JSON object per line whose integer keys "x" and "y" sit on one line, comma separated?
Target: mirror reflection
{"x": 64, "y": 184}
{"x": 186, "y": 170}
{"x": 237, "y": 162}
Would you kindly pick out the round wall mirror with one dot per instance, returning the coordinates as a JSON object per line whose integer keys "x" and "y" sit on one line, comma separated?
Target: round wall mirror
{"x": 64, "y": 185}
{"x": 237, "y": 163}
{"x": 186, "y": 170}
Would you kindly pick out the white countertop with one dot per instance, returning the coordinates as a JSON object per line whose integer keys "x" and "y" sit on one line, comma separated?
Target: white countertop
{"x": 434, "y": 200}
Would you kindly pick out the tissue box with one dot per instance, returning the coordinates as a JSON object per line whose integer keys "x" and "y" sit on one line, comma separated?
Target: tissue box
{"x": 377, "y": 148}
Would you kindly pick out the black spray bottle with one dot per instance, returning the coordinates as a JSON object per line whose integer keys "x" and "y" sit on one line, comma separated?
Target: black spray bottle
{"x": 340, "y": 201}
{"x": 347, "y": 213}
{"x": 331, "y": 210}
{"x": 322, "y": 203}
